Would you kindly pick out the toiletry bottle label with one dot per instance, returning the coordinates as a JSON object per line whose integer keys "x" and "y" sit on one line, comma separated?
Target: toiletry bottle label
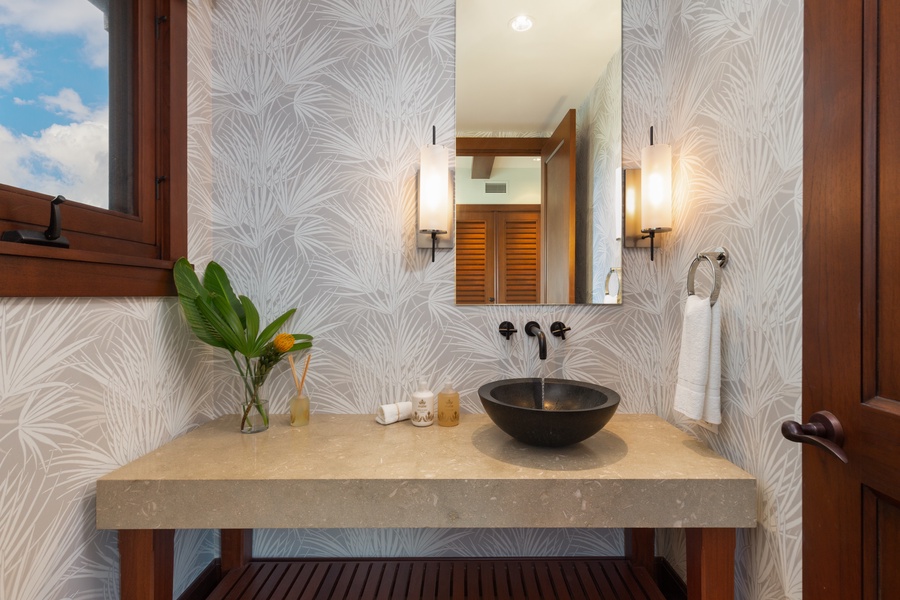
{"x": 448, "y": 409}
{"x": 423, "y": 415}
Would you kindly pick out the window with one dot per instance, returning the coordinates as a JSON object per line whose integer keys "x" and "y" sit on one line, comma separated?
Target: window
{"x": 122, "y": 242}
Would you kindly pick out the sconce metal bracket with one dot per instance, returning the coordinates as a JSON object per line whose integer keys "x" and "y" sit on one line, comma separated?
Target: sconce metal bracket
{"x": 434, "y": 237}
{"x": 651, "y": 233}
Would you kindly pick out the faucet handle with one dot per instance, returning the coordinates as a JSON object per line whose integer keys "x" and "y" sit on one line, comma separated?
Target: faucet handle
{"x": 559, "y": 329}
{"x": 507, "y": 329}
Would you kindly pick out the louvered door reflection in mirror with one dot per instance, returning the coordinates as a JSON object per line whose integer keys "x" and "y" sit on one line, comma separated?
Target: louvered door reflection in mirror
{"x": 498, "y": 254}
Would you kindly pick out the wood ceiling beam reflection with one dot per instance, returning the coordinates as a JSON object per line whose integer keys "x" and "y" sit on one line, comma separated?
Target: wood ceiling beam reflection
{"x": 482, "y": 167}
{"x": 485, "y": 146}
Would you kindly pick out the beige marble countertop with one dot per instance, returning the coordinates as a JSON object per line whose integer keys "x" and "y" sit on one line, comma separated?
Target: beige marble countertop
{"x": 348, "y": 471}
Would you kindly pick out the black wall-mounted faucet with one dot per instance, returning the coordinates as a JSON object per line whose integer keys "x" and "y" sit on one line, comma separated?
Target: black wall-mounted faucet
{"x": 534, "y": 330}
{"x": 507, "y": 329}
{"x": 559, "y": 329}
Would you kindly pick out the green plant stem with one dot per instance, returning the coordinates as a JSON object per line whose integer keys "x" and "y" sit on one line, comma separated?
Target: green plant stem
{"x": 250, "y": 394}
{"x": 258, "y": 379}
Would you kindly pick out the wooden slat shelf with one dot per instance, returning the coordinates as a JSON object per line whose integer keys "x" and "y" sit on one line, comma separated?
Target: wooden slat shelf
{"x": 469, "y": 579}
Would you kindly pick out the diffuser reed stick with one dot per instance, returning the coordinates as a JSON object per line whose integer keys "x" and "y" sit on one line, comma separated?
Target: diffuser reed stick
{"x": 294, "y": 373}
{"x": 300, "y": 403}
{"x": 303, "y": 379}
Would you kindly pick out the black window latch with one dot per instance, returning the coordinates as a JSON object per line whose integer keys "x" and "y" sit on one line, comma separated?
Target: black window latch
{"x": 52, "y": 237}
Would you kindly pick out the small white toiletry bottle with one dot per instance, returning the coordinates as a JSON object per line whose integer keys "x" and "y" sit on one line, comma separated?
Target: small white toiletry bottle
{"x": 423, "y": 405}
{"x": 448, "y": 406}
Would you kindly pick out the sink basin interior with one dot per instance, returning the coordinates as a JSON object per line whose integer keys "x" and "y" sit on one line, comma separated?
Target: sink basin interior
{"x": 551, "y": 394}
{"x": 549, "y": 412}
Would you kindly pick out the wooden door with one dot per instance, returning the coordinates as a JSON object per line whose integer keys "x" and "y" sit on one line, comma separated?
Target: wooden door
{"x": 498, "y": 249}
{"x": 558, "y": 201}
{"x": 475, "y": 255}
{"x": 851, "y": 296}
{"x": 519, "y": 256}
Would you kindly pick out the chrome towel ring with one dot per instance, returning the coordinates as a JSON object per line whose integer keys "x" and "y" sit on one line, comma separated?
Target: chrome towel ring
{"x": 617, "y": 271}
{"x": 717, "y": 259}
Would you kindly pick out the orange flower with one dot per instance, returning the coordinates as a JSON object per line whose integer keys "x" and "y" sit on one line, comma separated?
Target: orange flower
{"x": 283, "y": 342}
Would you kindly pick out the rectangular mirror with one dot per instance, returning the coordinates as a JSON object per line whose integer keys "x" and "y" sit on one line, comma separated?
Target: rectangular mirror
{"x": 539, "y": 152}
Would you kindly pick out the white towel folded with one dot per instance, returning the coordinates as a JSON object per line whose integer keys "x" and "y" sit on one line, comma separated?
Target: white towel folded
{"x": 391, "y": 413}
{"x": 697, "y": 392}
{"x": 712, "y": 403}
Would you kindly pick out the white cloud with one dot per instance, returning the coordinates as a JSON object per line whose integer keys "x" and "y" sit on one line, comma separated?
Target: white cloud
{"x": 74, "y": 17}
{"x": 20, "y": 102}
{"x": 11, "y": 68}
{"x": 68, "y": 104}
{"x": 72, "y": 160}
{"x": 50, "y": 16}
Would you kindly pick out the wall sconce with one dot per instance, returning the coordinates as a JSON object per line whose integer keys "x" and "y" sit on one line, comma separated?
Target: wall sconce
{"x": 630, "y": 185}
{"x": 435, "y": 208}
{"x": 631, "y": 191}
{"x": 656, "y": 190}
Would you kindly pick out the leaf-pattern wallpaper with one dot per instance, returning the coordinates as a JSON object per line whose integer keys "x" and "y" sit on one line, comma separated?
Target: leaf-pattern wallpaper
{"x": 87, "y": 385}
{"x": 598, "y": 156}
{"x": 722, "y": 81}
{"x": 305, "y": 122}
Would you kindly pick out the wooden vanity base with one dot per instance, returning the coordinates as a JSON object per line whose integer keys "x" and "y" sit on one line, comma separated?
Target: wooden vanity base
{"x": 640, "y": 473}
{"x": 436, "y": 579}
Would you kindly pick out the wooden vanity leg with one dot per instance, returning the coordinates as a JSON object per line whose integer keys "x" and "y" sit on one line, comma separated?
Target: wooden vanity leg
{"x": 237, "y": 548}
{"x": 640, "y": 548}
{"x": 147, "y": 563}
{"x": 710, "y": 563}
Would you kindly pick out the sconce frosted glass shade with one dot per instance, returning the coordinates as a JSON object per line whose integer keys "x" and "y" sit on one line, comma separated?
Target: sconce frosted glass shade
{"x": 434, "y": 184}
{"x": 656, "y": 187}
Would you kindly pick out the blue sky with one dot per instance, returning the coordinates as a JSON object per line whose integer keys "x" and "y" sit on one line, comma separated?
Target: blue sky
{"x": 52, "y": 63}
{"x": 54, "y": 123}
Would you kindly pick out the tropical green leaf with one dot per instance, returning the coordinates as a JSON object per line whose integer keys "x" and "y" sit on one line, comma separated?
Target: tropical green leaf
{"x": 270, "y": 331}
{"x": 226, "y": 311}
{"x": 199, "y": 325}
{"x": 302, "y": 336}
{"x": 251, "y": 320}
{"x": 189, "y": 288}
{"x": 186, "y": 281}
{"x": 300, "y": 346}
{"x": 216, "y": 281}
{"x": 211, "y": 314}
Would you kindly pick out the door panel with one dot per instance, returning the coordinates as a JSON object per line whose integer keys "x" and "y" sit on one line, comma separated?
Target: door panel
{"x": 558, "y": 201}
{"x": 881, "y": 523}
{"x": 851, "y": 296}
{"x": 474, "y": 257}
{"x": 888, "y": 107}
{"x": 518, "y": 257}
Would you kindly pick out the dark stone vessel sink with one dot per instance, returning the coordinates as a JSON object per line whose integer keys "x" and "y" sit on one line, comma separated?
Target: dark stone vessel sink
{"x": 565, "y": 412}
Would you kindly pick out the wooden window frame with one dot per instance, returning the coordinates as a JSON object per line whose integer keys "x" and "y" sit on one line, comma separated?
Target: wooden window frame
{"x": 115, "y": 254}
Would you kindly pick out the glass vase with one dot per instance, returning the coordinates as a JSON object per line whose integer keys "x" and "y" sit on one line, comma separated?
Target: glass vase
{"x": 255, "y": 416}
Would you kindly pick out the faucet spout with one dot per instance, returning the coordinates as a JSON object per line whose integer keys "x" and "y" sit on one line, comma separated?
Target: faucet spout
{"x": 534, "y": 330}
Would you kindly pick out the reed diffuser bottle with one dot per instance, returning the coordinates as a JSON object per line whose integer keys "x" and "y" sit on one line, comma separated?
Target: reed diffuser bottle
{"x": 299, "y": 405}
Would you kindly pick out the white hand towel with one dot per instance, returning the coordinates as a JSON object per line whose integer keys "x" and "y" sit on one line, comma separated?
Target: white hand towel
{"x": 693, "y": 361}
{"x": 712, "y": 403}
{"x": 391, "y": 413}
